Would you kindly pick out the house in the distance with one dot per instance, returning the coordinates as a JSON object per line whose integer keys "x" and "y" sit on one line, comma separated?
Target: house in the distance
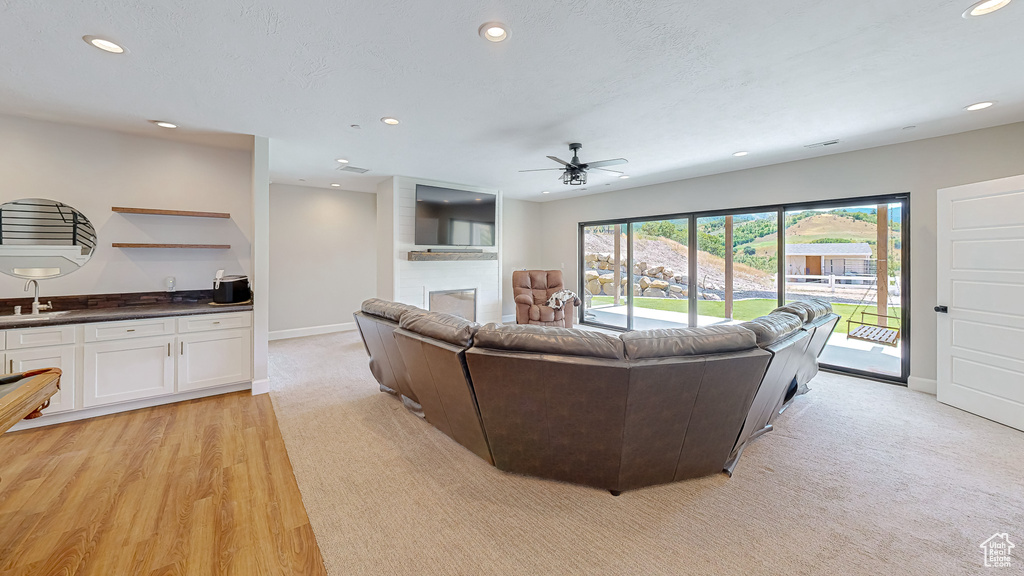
{"x": 840, "y": 259}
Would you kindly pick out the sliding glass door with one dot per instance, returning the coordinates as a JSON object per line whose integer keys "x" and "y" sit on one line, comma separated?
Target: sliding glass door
{"x": 736, "y": 267}
{"x": 851, "y": 256}
{"x": 660, "y": 277}
{"x": 605, "y": 278}
{"x": 638, "y": 273}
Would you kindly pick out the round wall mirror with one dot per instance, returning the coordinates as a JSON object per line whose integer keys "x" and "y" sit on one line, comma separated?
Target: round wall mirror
{"x": 43, "y": 239}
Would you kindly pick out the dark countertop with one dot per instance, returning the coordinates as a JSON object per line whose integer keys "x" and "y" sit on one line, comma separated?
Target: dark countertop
{"x": 9, "y": 321}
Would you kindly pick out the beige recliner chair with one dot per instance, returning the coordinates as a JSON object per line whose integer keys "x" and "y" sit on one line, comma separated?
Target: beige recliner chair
{"x": 531, "y": 289}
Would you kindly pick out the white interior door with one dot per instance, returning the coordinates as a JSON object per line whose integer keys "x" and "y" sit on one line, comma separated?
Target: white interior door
{"x": 981, "y": 282}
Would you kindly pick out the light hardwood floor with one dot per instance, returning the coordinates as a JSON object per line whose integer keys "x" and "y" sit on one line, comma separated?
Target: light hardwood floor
{"x": 199, "y": 487}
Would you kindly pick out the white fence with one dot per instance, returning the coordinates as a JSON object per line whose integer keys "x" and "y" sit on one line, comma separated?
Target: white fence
{"x": 832, "y": 280}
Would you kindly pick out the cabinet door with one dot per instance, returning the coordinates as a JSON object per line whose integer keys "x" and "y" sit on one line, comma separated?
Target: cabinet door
{"x": 215, "y": 358}
{"x": 125, "y": 370}
{"x": 62, "y": 357}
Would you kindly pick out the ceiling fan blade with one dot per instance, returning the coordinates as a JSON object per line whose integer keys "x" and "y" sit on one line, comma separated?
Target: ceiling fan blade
{"x": 612, "y": 162}
{"x": 559, "y": 160}
{"x": 542, "y": 170}
{"x": 607, "y": 170}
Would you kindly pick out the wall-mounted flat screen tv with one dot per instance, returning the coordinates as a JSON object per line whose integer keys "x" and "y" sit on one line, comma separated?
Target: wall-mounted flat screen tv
{"x": 447, "y": 217}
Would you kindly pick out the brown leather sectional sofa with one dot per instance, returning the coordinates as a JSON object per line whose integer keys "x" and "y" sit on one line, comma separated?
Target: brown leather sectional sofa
{"x": 644, "y": 408}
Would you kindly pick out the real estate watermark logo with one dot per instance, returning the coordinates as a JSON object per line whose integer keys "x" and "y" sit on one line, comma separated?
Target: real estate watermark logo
{"x": 997, "y": 550}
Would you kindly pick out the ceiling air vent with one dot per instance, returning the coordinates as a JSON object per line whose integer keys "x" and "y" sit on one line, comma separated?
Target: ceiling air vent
{"x": 822, "y": 144}
{"x": 355, "y": 169}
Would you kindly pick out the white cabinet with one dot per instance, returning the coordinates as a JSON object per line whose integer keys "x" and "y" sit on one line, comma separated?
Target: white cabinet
{"x": 62, "y": 357}
{"x": 122, "y": 370}
{"x": 43, "y": 336}
{"x": 214, "y": 358}
{"x": 127, "y": 364}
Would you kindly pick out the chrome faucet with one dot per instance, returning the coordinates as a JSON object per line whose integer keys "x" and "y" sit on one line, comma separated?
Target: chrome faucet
{"x": 36, "y": 306}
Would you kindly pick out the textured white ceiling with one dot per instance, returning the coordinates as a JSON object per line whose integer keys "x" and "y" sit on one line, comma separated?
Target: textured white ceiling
{"x": 675, "y": 87}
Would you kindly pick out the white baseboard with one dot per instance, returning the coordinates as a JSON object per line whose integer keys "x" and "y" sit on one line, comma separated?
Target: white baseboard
{"x": 508, "y": 319}
{"x": 311, "y": 331}
{"x": 61, "y": 417}
{"x": 926, "y": 385}
{"x": 261, "y": 386}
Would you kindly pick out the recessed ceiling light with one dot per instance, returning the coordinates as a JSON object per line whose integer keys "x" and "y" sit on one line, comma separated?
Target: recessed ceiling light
{"x": 104, "y": 44}
{"x": 354, "y": 126}
{"x": 624, "y": 177}
{"x": 342, "y": 161}
{"x": 911, "y": 127}
{"x": 493, "y": 31}
{"x": 389, "y": 120}
{"x": 984, "y": 7}
{"x": 740, "y": 153}
{"x": 336, "y": 185}
{"x": 979, "y": 106}
{"x": 164, "y": 124}
{"x": 545, "y": 192}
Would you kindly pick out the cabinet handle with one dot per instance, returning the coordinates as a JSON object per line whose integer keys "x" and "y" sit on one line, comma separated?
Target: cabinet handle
{"x": 131, "y": 329}
{"x": 217, "y": 322}
{"x": 12, "y": 366}
{"x": 168, "y": 349}
{"x": 182, "y": 348}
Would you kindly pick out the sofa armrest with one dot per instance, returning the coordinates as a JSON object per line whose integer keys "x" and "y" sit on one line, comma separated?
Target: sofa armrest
{"x": 524, "y": 299}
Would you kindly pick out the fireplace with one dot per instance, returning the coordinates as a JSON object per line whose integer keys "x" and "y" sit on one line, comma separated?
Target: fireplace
{"x": 461, "y": 303}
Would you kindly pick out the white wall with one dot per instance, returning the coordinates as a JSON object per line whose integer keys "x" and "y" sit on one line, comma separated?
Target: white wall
{"x": 323, "y": 258}
{"x": 93, "y": 170}
{"x": 387, "y": 216}
{"x": 522, "y": 244}
{"x": 920, "y": 167}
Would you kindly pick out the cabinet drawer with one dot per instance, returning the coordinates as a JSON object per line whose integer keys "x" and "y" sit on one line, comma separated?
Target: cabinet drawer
{"x": 104, "y": 331}
{"x": 204, "y": 322}
{"x": 3, "y": 340}
{"x": 42, "y": 336}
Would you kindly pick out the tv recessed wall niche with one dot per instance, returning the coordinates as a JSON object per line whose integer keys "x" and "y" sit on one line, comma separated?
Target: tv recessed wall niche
{"x": 448, "y": 217}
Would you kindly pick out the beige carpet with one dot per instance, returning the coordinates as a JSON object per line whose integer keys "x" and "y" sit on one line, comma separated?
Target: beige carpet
{"x": 858, "y": 478}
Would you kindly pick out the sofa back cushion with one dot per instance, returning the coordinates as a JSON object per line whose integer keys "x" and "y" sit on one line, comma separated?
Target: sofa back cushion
{"x": 664, "y": 343}
{"x": 539, "y": 284}
{"x": 807, "y": 310}
{"x": 773, "y": 327}
{"x": 549, "y": 340}
{"x": 444, "y": 327}
{"x": 386, "y": 309}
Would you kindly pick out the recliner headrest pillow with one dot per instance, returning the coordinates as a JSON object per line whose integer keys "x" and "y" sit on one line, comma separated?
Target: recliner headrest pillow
{"x": 444, "y": 327}
{"x": 386, "y": 308}
{"x": 774, "y": 326}
{"x": 549, "y": 340}
{"x": 666, "y": 343}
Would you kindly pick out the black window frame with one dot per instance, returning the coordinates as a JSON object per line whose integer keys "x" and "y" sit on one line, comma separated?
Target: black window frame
{"x": 780, "y": 209}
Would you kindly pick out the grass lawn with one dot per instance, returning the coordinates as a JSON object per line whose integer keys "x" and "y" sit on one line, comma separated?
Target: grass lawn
{"x": 743, "y": 309}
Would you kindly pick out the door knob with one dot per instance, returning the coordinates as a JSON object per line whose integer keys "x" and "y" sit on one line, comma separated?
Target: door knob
{"x": 942, "y": 309}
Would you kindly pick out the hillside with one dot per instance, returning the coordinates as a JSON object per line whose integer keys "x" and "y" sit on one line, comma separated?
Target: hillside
{"x": 665, "y": 252}
{"x": 819, "y": 227}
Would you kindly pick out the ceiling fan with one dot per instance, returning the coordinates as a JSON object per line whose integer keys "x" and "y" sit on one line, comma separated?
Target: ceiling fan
{"x": 574, "y": 172}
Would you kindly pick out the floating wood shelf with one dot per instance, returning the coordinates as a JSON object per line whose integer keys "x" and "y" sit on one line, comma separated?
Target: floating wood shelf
{"x": 189, "y": 213}
{"x": 440, "y": 256}
{"x": 190, "y": 246}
